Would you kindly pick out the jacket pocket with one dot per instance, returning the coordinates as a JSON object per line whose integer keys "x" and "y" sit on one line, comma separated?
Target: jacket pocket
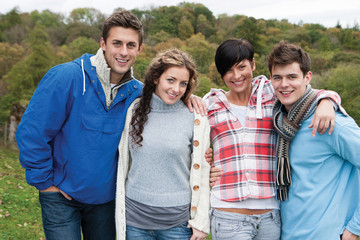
{"x": 107, "y": 125}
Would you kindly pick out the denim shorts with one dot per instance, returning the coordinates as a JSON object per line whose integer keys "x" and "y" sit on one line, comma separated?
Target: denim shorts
{"x": 228, "y": 225}
{"x": 181, "y": 232}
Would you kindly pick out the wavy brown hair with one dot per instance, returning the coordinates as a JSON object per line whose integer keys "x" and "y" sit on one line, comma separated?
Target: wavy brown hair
{"x": 162, "y": 62}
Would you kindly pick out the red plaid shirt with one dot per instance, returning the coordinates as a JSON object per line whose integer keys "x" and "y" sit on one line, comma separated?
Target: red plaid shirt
{"x": 247, "y": 153}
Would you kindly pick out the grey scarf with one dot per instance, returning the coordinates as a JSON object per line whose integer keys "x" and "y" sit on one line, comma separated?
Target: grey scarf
{"x": 286, "y": 125}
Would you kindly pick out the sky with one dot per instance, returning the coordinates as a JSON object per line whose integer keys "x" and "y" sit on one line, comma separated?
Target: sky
{"x": 325, "y": 12}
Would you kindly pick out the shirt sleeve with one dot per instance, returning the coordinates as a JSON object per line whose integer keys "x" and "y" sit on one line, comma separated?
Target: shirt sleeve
{"x": 347, "y": 145}
{"x": 334, "y": 97}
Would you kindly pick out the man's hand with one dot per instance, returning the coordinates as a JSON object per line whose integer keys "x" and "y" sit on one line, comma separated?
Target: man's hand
{"x": 349, "y": 236}
{"x": 198, "y": 104}
{"x": 55, "y": 189}
{"x": 215, "y": 175}
{"x": 208, "y": 156}
{"x": 67, "y": 196}
{"x": 323, "y": 117}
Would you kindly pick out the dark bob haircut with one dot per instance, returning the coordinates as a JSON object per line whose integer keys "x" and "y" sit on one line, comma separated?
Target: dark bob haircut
{"x": 232, "y": 52}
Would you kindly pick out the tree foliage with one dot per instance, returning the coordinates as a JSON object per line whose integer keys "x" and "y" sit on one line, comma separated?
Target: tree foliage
{"x": 31, "y": 43}
{"x": 344, "y": 79}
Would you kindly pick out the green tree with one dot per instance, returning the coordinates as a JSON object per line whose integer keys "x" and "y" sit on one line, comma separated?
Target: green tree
{"x": 322, "y": 61}
{"x": 25, "y": 75}
{"x": 344, "y": 79}
{"x": 46, "y": 18}
{"x": 214, "y": 75}
{"x": 85, "y": 22}
{"x": 13, "y": 26}
{"x": 299, "y": 36}
{"x": 53, "y": 23}
{"x": 204, "y": 86}
{"x": 10, "y": 19}
{"x": 202, "y": 51}
{"x": 347, "y": 39}
{"x": 196, "y": 10}
{"x": 41, "y": 57}
{"x": 324, "y": 43}
{"x": 9, "y": 56}
{"x": 88, "y": 16}
{"x": 80, "y": 46}
{"x": 166, "y": 19}
{"x": 185, "y": 29}
{"x": 314, "y": 31}
{"x": 249, "y": 30}
{"x": 204, "y": 26}
{"x": 171, "y": 43}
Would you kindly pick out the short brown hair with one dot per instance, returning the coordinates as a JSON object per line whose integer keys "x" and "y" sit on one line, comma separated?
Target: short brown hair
{"x": 285, "y": 53}
{"x": 123, "y": 18}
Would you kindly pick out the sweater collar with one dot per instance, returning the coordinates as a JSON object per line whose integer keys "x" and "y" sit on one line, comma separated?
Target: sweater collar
{"x": 103, "y": 71}
{"x": 157, "y": 104}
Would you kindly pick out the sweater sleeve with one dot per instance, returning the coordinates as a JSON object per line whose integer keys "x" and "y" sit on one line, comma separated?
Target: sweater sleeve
{"x": 41, "y": 122}
{"x": 123, "y": 167}
{"x": 347, "y": 145}
{"x": 199, "y": 177}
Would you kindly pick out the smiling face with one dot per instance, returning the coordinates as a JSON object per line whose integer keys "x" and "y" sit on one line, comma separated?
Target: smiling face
{"x": 238, "y": 77}
{"x": 120, "y": 51}
{"x": 289, "y": 83}
{"x": 172, "y": 84}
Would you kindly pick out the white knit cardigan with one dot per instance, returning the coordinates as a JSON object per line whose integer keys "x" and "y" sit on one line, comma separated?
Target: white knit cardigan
{"x": 199, "y": 176}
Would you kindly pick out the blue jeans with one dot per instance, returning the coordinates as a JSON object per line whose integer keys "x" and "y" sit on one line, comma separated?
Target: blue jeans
{"x": 64, "y": 219}
{"x": 179, "y": 232}
{"x": 227, "y": 225}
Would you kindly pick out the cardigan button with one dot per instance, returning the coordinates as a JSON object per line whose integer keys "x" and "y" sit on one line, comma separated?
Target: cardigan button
{"x": 196, "y": 188}
{"x": 193, "y": 208}
{"x": 196, "y": 166}
{"x": 196, "y": 143}
{"x": 197, "y": 121}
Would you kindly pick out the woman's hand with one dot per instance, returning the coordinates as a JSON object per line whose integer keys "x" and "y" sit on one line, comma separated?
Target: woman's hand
{"x": 197, "y": 235}
{"x": 198, "y": 104}
{"x": 323, "y": 117}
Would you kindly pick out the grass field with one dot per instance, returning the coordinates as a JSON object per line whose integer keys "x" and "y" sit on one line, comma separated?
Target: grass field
{"x": 20, "y": 217}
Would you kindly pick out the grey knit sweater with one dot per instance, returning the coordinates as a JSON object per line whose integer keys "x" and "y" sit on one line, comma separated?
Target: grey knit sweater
{"x": 160, "y": 170}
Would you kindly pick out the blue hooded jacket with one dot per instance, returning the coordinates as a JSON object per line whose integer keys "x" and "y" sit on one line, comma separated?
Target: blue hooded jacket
{"x": 69, "y": 138}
